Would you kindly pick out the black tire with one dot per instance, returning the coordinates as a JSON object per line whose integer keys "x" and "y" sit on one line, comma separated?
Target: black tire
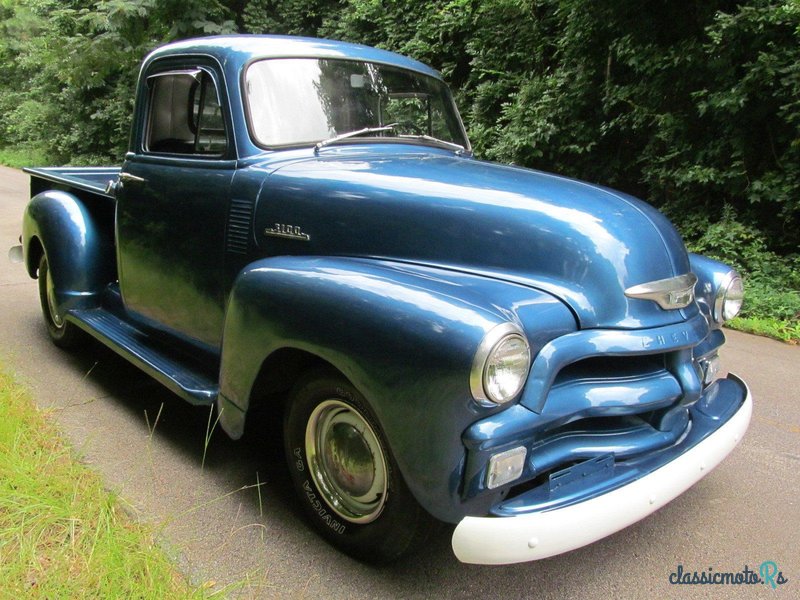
{"x": 62, "y": 333}
{"x": 384, "y": 522}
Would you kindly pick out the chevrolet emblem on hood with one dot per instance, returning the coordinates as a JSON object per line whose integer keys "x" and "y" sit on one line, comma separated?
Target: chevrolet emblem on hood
{"x": 672, "y": 293}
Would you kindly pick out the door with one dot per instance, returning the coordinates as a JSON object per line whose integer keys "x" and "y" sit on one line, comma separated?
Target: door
{"x": 172, "y": 200}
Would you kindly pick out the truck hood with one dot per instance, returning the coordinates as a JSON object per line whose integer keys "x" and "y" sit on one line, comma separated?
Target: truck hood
{"x": 583, "y": 243}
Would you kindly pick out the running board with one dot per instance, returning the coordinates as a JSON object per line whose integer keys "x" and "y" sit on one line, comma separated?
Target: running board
{"x": 178, "y": 372}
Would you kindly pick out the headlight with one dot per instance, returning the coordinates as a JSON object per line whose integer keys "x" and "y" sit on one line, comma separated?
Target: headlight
{"x": 501, "y": 365}
{"x": 730, "y": 296}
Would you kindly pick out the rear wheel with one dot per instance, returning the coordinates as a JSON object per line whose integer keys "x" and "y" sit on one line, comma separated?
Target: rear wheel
{"x": 61, "y": 332}
{"x": 349, "y": 484}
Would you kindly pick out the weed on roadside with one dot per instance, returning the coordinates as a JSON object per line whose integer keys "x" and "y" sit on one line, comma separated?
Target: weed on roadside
{"x": 62, "y": 534}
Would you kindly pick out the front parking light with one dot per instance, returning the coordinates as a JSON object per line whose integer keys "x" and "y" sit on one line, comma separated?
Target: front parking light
{"x": 505, "y": 467}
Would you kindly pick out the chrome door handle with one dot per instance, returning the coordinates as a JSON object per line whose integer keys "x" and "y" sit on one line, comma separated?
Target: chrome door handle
{"x": 128, "y": 178}
{"x": 112, "y": 187}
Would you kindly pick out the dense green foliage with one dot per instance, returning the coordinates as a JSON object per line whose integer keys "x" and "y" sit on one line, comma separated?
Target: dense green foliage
{"x": 772, "y": 305}
{"x": 694, "y": 106}
{"x": 69, "y": 68}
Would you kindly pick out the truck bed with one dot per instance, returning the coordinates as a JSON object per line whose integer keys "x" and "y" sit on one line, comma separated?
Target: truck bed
{"x": 88, "y": 179}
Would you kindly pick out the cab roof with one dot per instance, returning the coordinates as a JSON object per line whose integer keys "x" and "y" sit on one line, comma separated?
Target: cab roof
{"x": 238, "y": 50}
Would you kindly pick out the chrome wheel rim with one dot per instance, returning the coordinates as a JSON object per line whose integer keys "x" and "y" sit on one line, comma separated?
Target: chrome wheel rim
{"x": 51, "y": 301}
{"x": 346, "y": 461}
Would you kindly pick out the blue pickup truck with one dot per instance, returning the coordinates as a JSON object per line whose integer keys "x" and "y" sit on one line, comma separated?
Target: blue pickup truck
{"x": 299, "y": 227}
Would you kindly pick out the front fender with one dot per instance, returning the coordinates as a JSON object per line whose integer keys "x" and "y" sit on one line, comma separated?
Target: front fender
{"x": 710, "y": 276}
{"x": 405, "y": 336}
{"x": 79, "y": 252}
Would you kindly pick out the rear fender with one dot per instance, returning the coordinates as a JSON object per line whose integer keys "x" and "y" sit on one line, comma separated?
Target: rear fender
{"x": 79, "y": 253}
{"x": 404, "y": 336}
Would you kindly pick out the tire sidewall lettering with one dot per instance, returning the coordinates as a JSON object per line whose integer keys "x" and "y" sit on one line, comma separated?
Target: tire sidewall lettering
{"x": 318, "y": 507}
{"x": 343, "y": 393}
{"x": 299, "y": 463}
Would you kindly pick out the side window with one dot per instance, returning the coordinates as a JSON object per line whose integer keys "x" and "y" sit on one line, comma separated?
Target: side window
{"x": 185, "y": 115}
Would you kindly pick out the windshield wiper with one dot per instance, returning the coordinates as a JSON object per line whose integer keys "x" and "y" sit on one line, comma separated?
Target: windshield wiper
{"x": 461, "y": 150}
{"x": 350, "y": 134}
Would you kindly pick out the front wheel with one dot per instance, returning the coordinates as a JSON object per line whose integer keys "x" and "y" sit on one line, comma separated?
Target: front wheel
{"x": 349, "y": 485}
{"x": 62, "y": 333}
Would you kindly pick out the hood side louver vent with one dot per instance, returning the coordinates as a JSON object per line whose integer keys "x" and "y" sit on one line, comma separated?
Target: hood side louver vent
{"x": 240, "y": 223}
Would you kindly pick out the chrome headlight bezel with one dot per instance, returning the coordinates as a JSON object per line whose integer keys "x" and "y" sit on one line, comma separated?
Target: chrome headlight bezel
{"x": 494, "y": 341}
{"x": 729, "y": 297}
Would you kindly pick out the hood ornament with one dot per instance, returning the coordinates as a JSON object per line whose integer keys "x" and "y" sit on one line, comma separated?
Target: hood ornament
{"x": 669, "y": 294}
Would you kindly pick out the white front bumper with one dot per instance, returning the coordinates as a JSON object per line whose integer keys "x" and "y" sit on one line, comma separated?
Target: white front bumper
{"x": 505, "y": 540}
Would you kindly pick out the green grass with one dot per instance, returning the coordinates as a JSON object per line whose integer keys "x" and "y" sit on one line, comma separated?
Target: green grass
{"x": 62, "y": 534}
{"x": 23, "y": 157}
{"x": 772, "y": 302}
{"x": 779, "y": 329}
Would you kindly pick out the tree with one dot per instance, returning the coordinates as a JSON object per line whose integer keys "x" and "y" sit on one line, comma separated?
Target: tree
{"x": 78, "y": 71}
{"x": 692, "y": 105}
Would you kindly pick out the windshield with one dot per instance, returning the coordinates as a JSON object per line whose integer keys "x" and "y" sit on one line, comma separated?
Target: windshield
{"x": 295, "y": 101}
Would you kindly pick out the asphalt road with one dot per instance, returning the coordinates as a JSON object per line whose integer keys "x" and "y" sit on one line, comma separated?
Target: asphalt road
{"x": 224, "y": 527}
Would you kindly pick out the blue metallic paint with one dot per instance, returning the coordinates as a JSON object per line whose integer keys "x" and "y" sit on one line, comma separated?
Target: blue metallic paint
{"x": 78, "y": 250}
{"x": 582, "y": 243}
{"x": 414, "y": 254}
{"x": 404, "y": 335}
{"x": 170, "y": 241}
{"x": 589, "y": 343}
